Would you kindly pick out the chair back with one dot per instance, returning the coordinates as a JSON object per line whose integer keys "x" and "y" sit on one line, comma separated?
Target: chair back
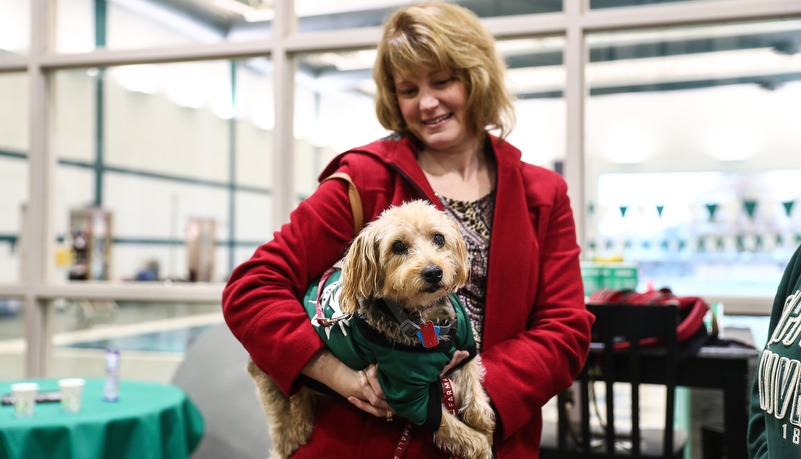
{"x": 620, "y": 328}
{"x": 213, "y": 375}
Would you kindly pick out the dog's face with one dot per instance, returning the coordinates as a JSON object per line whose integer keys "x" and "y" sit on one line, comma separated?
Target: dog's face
{"x": 412, "y": 254}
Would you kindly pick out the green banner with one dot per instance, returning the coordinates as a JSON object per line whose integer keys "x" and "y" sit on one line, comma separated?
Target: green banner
{"x": 788, "y": 207}
{"x": 659, "y": 210}
{"x": 750, "y": 208}
{"x": 712, "y": 208}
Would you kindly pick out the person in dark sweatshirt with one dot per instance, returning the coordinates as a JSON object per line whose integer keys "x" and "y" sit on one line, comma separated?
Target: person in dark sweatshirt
{"x": 774, "y": 426}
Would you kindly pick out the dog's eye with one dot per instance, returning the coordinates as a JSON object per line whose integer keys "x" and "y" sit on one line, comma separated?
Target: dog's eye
{"x": 439, "y": 240}
{"x": 398, "y": 247}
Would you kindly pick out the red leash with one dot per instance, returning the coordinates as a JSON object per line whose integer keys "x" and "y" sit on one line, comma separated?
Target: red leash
{"x": 450, "y": 402}
{"x": 404, "y": 440}
{"x": 450, "y": 405}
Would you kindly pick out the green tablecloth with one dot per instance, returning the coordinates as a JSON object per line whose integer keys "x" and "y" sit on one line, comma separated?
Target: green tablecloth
{"x": 149, "y": 421}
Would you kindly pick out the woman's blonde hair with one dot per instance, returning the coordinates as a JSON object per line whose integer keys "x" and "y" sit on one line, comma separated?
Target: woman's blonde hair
{"x": 445, "y": 37}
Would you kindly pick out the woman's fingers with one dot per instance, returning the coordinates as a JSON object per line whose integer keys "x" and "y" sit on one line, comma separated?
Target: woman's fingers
{"x": 375, "y": 411}
{"x": 372, "y": 378}
{"x": 371, "y": 390}
{"x": 458, "y": 356}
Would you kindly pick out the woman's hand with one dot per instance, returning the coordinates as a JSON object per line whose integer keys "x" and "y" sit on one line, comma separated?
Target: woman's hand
{"x": 360, "y": 387}
{"x": 372, "y": 398}
{"x": 458, "y": 356}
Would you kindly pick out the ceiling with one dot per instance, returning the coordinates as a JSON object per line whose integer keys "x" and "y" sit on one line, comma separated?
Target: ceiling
{"x": 664, "y": 46}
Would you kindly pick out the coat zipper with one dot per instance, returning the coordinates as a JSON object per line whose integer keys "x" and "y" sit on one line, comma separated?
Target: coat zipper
{"x": 414, "y": 184}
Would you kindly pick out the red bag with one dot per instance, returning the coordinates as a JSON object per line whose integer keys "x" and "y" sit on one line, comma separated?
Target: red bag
{"x": 691, "y": 333}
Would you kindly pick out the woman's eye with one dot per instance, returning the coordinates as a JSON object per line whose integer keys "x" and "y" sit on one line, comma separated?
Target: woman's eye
{"x": 439, "y": 240}
{"x": 398, "y": 247}
{"x": 406, "y": 92}
{"x": 443, "y": 82}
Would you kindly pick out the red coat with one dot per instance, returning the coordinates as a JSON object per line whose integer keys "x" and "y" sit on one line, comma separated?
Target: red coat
{"x": 536, "y": 328}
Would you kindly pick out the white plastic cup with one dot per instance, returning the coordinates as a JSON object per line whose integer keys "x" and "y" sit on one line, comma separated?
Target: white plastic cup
{"x": 71, "y": 394}
{"x": 24, "y": 398}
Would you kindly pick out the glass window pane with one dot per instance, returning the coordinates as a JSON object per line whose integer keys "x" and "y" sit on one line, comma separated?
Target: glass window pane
{"x": 314, "y": 15}
{"x": 83, "y": 25}
{"x": 13, "y": 170}
{"x": 537, "y": 79}
{"x": 692, "y": 141}
{"x": 152, "y": 337}
{"x": 154, "y": 160}
{"x": 334, "y": 111}
{"x": 12, "y": 339}
{"x": 15, "y": 27}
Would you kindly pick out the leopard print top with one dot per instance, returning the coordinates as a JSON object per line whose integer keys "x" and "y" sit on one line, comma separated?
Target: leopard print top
{"x": 474, "y": 219}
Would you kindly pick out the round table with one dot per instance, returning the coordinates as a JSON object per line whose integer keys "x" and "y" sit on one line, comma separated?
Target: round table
{"x": 149, "y": 420}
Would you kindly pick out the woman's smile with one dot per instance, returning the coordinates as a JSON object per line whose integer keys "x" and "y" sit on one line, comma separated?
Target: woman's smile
{"x": 435, "y": 122}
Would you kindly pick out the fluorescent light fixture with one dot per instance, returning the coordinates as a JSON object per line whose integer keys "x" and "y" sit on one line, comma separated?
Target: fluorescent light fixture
{"x": 260, "y": 15}
{"x": 224, "y": 110}
{"x": 145, "y": 78}
{"x": 732, "y": 143}
{"x": 528, "y": 45}
{"x": 249, "y": 13}
{"x": 184, "y": 87}
{"x": 233, "y": 6}
{"x": 321, "y": 7}
{"x": 537, "y": 79}
{"x": 692, "y": 32}
{"x": 702, "y": 66}
{"x": 344, "y": 60}
{"x": 178, "y": 22}
{"x": 263, "y": 117}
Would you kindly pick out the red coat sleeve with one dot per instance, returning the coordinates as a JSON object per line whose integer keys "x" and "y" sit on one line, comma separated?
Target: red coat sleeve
{"x": 524, "y": 372}
{"x": 261, "y": 300}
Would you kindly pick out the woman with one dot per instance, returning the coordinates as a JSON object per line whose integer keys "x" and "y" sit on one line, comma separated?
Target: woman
{"x": 774, "y": 427}
{"x": 440, "y": 87}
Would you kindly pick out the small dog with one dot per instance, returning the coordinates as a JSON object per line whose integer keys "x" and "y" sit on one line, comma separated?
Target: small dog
{"x": 412, "y": 256}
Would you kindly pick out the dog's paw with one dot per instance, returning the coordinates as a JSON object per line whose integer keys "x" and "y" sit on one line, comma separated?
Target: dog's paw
{"x": 480, "y": 448}
{"x": 480, "y": 418}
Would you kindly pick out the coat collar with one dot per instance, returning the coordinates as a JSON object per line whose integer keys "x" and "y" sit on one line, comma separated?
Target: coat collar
{"x": 513, "y": 242}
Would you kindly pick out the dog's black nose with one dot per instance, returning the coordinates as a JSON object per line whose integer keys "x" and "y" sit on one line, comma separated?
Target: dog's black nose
{"x": 432, "y": 274}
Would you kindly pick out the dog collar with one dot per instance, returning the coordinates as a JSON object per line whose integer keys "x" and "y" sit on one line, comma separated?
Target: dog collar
{"x": 412, "y": 328}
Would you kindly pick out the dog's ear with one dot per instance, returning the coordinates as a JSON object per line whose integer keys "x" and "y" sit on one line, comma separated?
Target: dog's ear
{"x": 360, "y": 271}
{"x": 459, "y": 249}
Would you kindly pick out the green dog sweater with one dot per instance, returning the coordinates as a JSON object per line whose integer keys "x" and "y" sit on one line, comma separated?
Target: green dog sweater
{"x": 409, "y": 375}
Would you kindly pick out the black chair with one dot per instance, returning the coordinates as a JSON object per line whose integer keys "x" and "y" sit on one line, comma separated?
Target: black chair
{"x": 620, "y": 327}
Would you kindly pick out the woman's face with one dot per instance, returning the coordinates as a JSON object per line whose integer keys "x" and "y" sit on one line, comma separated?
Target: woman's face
{"x": 433, "y": 104}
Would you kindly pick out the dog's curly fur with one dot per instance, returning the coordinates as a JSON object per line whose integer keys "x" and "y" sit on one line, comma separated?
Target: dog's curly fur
{"x": 412, "y": 254}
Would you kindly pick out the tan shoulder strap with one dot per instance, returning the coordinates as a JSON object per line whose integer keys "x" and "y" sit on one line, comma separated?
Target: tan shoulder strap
{"x": 355, "y": 200}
